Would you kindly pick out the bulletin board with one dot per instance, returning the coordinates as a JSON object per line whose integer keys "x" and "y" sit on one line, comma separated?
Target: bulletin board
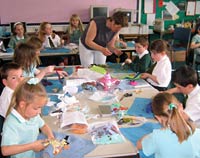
{"x": 182, "y": 13}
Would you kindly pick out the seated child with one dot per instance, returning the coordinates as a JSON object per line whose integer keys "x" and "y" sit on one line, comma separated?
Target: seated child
{"x": 26, "y": 57}
{"x": 11, "y": 75}
{"x": 143, "y": 61}
{"x": 75, "y": 29}
{"x": 36, "y": 43}
{"x": 160, "y": 76}
{"x": 177, "y": 138}
{"x": 18, "y": 35}
{"x": 50, "y": 40}
{"x": 23, "y": 121}
{"x": 185, "y": 80}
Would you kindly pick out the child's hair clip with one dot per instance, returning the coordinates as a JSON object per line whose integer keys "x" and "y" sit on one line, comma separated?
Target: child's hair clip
{"x": 33, "y": 81}
{"x": 171, "y": 106}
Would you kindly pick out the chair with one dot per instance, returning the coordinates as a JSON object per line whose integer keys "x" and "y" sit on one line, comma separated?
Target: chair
{"x": 180, "y": 42}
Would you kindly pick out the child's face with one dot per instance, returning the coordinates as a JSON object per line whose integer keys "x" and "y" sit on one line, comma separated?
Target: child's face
{"x": 75, "y": 22}
{"x": 156, "y": 56}
{"x": 48, "y": 29}
{"x": 140, "y": 48}
{"x": 19, "y": 30}
{"x": 13, "y": 79}
{"x": 184, "y": 90}
{"x": 34, "y": 108}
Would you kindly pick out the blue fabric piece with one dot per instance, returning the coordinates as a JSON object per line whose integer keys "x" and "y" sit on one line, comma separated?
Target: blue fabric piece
{"x": 54, "y": 98}
{"x": 78, "y": 147}
{"x": 133, "y": 134}
{"x": 56, "y": 50}
{"x": 140, "y": 108}
{"x": 55, "y": 84}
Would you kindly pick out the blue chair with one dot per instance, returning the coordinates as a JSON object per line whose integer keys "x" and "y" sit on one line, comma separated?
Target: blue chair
{"x": 180, "y": 42}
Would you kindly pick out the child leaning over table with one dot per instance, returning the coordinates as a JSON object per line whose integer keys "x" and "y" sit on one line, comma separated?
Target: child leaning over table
{"x": 23, "y": 121}
{"x": 159, "y": 74}
{"x": 185, "y": 81}
{"x": 25, "y": 56}
{"x": 18, "y": 36}
{"x": 36, "y": 43}
{"x": 178, "y": 138}
{"x": 143, "y": 61}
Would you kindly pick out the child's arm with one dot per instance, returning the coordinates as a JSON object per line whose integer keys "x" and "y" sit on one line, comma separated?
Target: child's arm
{"x": 19, "y": 148}
{"x": 46, "y": 130}
{"x": 147, "y": 75}
{"x": 139, "y": 143}
{"x": 42, "y": 72}
{"x": 173, "y": 90}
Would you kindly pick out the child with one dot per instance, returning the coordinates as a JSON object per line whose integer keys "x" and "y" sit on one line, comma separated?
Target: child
{"x": 11, "y": 75}
{"x": 46, "y": 35}
{"x": 177, "y": 138}
{"x": 26, "y": 57}
{"x": 23, "y": 121}
{"x": 142, "y": 62}
{"x": 18, "y": 35}
{"x": 36, "y": 43}
{"x": 50, "y": 40}
{"x": 75, "y": 29}
{"x": 185, "y": 80}
{"x": 160, "y": 76}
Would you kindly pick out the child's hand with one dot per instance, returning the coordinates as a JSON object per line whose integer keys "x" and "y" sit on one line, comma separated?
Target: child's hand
{"x": 128, "y": 61}
{"x": 40, "y": 145}
{"x": 62, "y": 73}
{"x": 49, "y": 69}
{"x": 144, "y": 75}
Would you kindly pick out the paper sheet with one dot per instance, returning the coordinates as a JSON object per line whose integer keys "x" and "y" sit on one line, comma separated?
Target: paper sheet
{"x": 172, "y": 8}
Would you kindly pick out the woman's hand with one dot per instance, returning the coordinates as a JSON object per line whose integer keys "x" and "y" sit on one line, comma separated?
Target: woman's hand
{"x": 106, "y": 52}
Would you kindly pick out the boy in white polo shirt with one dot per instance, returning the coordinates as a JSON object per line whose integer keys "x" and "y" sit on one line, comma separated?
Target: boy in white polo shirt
{"x": 186, "y": 82}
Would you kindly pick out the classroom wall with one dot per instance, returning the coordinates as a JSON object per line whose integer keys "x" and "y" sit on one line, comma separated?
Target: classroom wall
{"x": 36, "y": 11}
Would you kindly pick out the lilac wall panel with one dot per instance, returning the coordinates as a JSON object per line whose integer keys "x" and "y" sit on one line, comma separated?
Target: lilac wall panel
{"x": 36, "y": 11}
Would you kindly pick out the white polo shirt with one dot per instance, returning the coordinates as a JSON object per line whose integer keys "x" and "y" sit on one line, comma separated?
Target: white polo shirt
{"x": 162, "y": 71}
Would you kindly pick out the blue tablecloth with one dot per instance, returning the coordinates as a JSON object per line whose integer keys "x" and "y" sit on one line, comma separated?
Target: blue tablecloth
{"x": 56, "y": 50}
{"x": 78, "y": 147}
{"x": 133, "y": 134}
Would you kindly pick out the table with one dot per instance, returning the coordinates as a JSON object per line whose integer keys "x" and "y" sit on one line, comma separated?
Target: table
{"x": 124, "y": 149}
{"x": 44, "y": 53}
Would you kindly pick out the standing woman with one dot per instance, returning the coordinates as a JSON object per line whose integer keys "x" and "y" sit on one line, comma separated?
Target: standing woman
{"x": 98, "y": 39}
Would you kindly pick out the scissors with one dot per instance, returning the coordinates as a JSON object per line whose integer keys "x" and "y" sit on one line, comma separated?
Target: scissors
{"x": 125, "y": 95}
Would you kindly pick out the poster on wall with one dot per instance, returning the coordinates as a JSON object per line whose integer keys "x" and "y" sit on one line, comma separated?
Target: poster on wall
{"x": 190, "y": 8}
{"x": 197, "y": 7}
